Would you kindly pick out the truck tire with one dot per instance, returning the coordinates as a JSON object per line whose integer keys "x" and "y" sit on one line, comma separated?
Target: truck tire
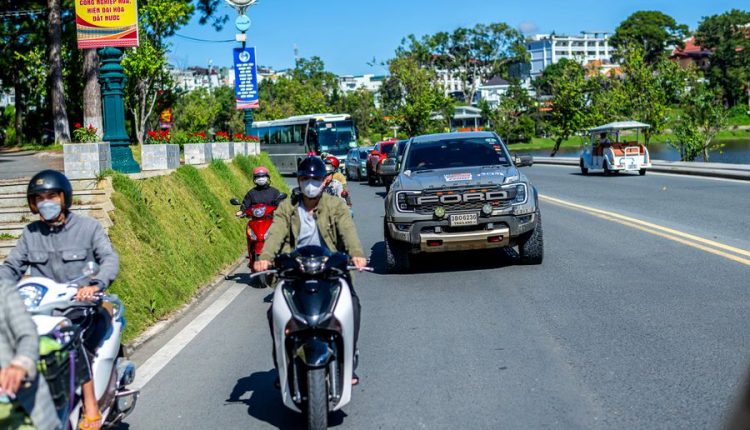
{"x": 317, "y": 399}
{"x": 397, "y": 258}
{"x": 642, "y": 172}
{"x": 531, "y": 246}
{"x": 605, "y": 166}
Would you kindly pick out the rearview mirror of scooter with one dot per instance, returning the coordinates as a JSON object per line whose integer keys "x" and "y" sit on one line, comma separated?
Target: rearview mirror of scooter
{"x": 235, "y": 202}
{"x": 281, "y": 197}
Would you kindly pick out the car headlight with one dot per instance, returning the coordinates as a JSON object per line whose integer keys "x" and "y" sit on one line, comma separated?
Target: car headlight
{"x": 32, "y": 295}
{"x": 259, "y": 212}
{"x": 520, "y": 193}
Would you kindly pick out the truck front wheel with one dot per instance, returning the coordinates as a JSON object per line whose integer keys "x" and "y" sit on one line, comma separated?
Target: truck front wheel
{"x": 531, "y": 245}
{"x": 397, "y": 258}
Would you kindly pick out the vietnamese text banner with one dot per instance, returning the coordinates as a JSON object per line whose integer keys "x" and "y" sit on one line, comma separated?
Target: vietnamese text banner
{"x": 245, "y": 78}
{"x": 101, "y": 23}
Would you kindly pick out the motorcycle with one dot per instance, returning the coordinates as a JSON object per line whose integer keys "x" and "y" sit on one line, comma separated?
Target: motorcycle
{"x": 313, "y": 329}
{"x": 259, "y": 222}
{"x": 63, "y": 360}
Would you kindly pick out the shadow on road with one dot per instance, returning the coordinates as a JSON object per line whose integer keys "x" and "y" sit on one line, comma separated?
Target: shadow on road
{"x": 602, "y": 175}
{"x": 464, "y": 261}
{"x": 265, "y": 402}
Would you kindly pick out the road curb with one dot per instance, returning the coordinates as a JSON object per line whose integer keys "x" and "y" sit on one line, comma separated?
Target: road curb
{"x": 176, "y": 316}
{"x": 736, "y": 171}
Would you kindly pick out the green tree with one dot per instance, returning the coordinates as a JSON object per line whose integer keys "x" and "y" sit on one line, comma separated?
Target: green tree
{"x": 228, "y": 118}
{"x": 57, "y": 87}
{"x": 651, "y": 31}
{"x": 473, "y": 55}
{"x": 648, "y": 89}
{"x": 569, "y": 103}
{"x": 728, "y": 37}
{"x": 703, "y": 116}
{"x": 145, "y": 65}
{"x": 196, "y": 111}
{"x": 360, "y": 104}
{"x": 512, "y": 117}
{"x": 410, "y": 95}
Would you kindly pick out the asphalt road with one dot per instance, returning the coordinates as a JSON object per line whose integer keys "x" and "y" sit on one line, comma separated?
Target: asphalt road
{"x": 25, "y": 164}
{"x": 620, "y": 328}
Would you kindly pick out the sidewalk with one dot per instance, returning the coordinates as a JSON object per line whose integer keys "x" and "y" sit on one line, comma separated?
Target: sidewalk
{"x": 716, "y": 170}
{"x": 24, "y": 164}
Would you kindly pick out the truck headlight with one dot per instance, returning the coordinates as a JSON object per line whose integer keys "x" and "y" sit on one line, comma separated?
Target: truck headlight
{"x": 487, "y": 209}
{"x": 520, "y": 193}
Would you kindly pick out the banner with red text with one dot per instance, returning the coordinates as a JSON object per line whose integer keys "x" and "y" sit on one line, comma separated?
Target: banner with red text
{"x": 101, "y": 23}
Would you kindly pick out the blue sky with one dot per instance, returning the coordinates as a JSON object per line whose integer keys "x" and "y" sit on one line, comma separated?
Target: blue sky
{"x": 349, "y": 34}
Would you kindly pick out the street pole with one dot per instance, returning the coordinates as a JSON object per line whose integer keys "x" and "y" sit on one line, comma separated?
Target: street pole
{"x": 243, "y": 25}
{"x": 112, "y": 79}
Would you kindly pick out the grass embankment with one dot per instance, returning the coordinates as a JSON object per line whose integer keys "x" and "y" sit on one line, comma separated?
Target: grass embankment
{"x": 175, "y": 233}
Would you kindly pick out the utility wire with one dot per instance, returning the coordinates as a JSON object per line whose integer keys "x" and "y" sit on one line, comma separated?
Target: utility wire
{"x": 204, "y": 40}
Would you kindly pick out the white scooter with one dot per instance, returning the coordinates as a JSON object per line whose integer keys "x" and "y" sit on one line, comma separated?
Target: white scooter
{"x": 313, "y": 329}
{"x": 50, "y": 303}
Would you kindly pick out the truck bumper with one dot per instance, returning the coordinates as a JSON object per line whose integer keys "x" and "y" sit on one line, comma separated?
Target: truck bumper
{"x": 438, "y": 236}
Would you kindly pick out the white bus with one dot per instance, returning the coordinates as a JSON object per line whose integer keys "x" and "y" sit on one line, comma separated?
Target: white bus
{"x": 288, "y": 141}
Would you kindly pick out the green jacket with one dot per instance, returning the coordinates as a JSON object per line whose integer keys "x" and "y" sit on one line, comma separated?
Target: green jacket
{"x": 334, "y": 222}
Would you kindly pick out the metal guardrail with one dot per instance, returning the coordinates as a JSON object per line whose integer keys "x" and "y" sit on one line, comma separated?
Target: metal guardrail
{"x": 716, "y": 170}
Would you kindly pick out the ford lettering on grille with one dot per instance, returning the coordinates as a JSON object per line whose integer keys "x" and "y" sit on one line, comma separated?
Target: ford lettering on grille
{"x": 448, "y": 199}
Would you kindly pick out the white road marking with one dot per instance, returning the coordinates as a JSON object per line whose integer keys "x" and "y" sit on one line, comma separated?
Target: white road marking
{"x": 163, "y": 356}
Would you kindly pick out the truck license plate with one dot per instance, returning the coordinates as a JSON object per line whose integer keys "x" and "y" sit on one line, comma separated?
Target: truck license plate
{"x": 464, "y": 219}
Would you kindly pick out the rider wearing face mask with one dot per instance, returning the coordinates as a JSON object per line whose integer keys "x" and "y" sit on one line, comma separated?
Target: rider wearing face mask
{"x": 263, "y": 193}
{"x": 57, "y": 246}
{"x": 313, "y": 217}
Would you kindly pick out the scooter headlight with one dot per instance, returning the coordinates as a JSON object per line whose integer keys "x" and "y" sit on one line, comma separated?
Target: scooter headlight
{"x": 259, "y": 212}
{"x": 312, "y": 265}
{"x": 32, "y": 295}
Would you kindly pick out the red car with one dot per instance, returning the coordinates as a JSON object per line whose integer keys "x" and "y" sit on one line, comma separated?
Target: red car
{"x": 377, "y": 155}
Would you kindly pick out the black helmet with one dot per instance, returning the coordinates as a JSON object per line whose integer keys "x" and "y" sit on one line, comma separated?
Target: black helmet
{"x": 311, "y": 167}
{"x": 49, "y": 180}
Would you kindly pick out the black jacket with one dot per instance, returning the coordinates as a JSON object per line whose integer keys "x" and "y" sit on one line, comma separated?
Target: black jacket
{"x": 267, "y": 195}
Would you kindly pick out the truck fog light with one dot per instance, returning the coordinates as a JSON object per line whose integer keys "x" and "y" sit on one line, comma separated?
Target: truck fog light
{"x": 439, "y": 212}
{"x": 487, "y": 209}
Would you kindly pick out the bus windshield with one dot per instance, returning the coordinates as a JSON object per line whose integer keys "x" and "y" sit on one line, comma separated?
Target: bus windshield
{"x": 336, "y": 137}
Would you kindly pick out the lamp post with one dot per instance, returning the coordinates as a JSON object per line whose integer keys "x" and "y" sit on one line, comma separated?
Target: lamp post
{"x": 112, "y": 79}
{"x": 242, "y": 23}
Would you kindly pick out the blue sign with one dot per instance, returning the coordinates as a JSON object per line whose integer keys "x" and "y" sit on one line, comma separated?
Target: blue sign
{"x": 245, "y": 78}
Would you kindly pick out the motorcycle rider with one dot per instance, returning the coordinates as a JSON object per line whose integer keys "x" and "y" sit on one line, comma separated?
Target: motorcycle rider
{"x": 335, "y": 182}
{"x": 19, "y": 380}
{"x": 313, "y": 217}
{"x": 57, "y": 247}
{"x": 262, "y": 193}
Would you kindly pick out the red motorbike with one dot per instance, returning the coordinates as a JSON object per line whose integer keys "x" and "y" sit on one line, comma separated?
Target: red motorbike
{"x": 260, "y": 218}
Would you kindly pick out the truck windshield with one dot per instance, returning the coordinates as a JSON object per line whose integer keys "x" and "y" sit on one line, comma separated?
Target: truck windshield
{"x": 460, "y": 152}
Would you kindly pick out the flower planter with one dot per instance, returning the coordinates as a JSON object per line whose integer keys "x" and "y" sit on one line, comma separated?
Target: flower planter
{"x": 198, "y": 153}
{"x": 86, "y": 160}
{"x": 222, "y": 150}
{"x": 160, "y": 157}
{"x": 253, "y": 148}
{"x": 240, "y": 148}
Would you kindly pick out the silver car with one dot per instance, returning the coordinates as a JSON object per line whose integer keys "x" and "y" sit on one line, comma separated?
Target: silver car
{"x": 356, "y": 163}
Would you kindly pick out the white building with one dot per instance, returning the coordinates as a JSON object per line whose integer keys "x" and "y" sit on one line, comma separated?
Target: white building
{"x": 547, "y": 49}
{"x": 351, "y": 83}
{"x": 7, "y": 97}
{"x": 452, "y": 85}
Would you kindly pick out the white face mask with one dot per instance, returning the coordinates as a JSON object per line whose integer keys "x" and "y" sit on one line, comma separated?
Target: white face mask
{"x": 49, "y": 210}
{"x": 311, "y": 188}
{"x": 261, "y": 181}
